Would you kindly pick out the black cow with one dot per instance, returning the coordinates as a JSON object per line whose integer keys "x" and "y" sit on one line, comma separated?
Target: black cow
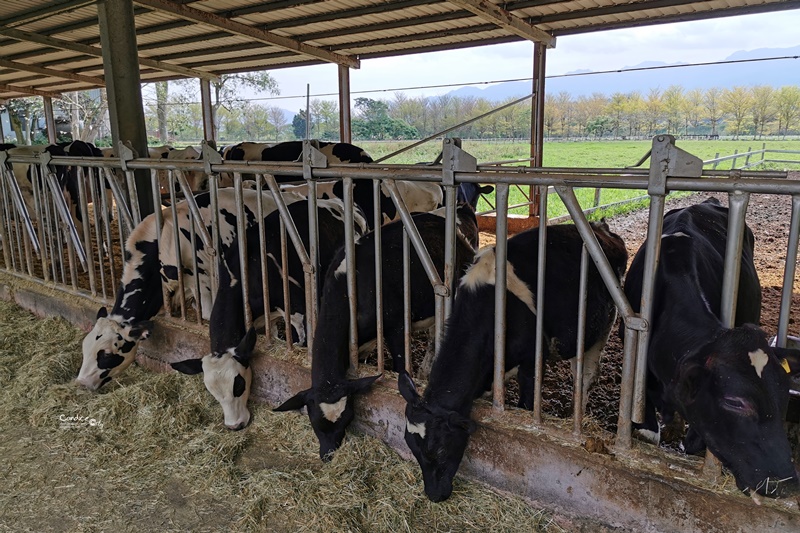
{"x": 227, "y": 375}
{"x": 729, "y": 384}
{"x": 470, "y": 193}
{"x": 438, "y": 424}
{"x": 330, "y": 398}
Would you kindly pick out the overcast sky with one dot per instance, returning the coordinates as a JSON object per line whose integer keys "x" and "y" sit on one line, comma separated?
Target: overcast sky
{"x": 709, "y": 40}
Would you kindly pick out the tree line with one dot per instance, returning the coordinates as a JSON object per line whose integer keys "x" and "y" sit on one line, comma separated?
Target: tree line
{"x": 173, "y": 115}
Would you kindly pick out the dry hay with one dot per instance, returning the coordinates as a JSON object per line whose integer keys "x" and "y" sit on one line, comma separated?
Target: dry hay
{"x": 151, "y": 454}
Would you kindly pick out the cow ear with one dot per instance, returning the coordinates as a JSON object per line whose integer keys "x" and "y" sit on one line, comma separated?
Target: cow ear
{"x": 789, "y": 359}
{"x": 357, "y": 386}
{"x": 690, "y": 381}
{"x": 245, "y": 348}
{"x": 102, "y": 313}
{"x": 141, "y": 330}
{"x": 486, "y": 189}
{"x": 298, "y": 401}
{"x": 188, "y": 366}
{"x": 407, "y": 388}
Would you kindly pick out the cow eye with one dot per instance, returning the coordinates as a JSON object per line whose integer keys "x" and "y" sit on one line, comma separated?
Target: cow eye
{"x": 737, "y": 405}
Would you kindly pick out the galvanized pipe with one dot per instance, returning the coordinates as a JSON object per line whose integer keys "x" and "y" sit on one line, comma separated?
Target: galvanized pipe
{"x": 737, "y": 209}
{"x": 87, "y": 237}
{"x": 213, "y": 191}
{"x": 155, "y": 191}
{"x": 500, "y": 297}
{"x": 287, "y": 297}
{"x": 122, "y": 205}
{"x": 6, "y": 226}
{"x": 99, "y": 234}
{"x": 406, "y": 302}
{"x": 577, "y": 398}
{"x": 789, "y": 272}
{"x": 192, "y": 203}
{"x": 450, "y": 229}
{"x": 540, "y": 290}
{"x": 378, "y": 234}
{"x": 176, "y": 236}
{"x": 624, "y": 428}
{"x": 350, "y": 257}
{"x": 198, "y": 300}
{"x": 19, "y": 205}
{"x": 63, "y": 212}
{"x": 241, "y": 236}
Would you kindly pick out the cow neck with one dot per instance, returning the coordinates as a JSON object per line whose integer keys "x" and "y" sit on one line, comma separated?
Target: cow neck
{"x": 464, "y": 364}
{"x": 330, "y": 357}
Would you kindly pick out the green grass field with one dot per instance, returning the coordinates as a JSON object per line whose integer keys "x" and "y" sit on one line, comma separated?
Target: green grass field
{"x": 604, "y": 154}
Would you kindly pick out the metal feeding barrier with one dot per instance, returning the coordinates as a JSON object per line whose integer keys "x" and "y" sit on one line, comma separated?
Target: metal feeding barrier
{"x": 41, "y": 227}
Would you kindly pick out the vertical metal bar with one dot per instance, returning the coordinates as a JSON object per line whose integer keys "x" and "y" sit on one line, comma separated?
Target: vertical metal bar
{"x": 733, "y": 163}
{"x": 623, "y": 440}
{"x": 213, "y": 191}
{"x": 241, "y": 230}
{"x": 378, "y": 234}
{"x": 133, "y": 193}
{"x": 49, "y": 119}
{"x": 5, "y": 227}
{"x": 345, "y": 132}
{"x": 99, "y": 238}
{"x": 262, "y": 241}
{"x": 312, "y": 293}
{"x": 597, "y": 193}
{"x": 406, "y": 302}
{"x": 450, "y": 228}
{"x": 198, "y": 296}
{"x": 763, "y": 151}
{"x": 83, "y": 205}
{"x": 540, "y": 294}
{"x": 737, "y": 209}
{"x": 308, "y": 111}
{"x": 789, "y": 272}
{"x": 747, "y": 159}
{"x": 714, "y": 166}
{"x": 73, "y": 271}
{"x": 176, "y": 239}
{"x": 161, "y": 235}
{"x": 209, "y": 132}
{"x": 577, "y": 398}
{"x": 350, "y": 257}
{"x": 537, "y": 118}
{"x": 57, "y": 230}
{"x": 104, "y": 211}
{"x": 501, "y": 248}
{"x": 287, "y": 297}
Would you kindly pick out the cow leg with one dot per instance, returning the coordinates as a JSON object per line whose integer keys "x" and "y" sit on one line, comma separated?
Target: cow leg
{"x": 650, "y": 429}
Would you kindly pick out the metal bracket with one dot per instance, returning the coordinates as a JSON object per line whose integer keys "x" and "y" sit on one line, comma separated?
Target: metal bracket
{"x": 209, "y": 156}
{"x": 636, "y": 323}
{"x": 313, "y": 156}
{"x": 126, "y": 153}
{"x": 666, "y": 159}
{"x": 454, "y": 159}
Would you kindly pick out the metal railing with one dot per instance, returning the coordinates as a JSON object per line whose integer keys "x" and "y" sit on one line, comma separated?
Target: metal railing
{"x": 48, "y": 237}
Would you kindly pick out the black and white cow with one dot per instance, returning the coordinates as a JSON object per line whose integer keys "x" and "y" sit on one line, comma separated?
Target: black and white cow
{"x": 110, "y": 346}
{"x": 226, "y": 369}
{"x": 728, "y": 384}
{"x": 438, "y": 424}
{"x": 330, "y": 401}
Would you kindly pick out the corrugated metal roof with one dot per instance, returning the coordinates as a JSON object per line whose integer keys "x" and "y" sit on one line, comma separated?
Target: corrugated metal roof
{"x": 357, "y": 28}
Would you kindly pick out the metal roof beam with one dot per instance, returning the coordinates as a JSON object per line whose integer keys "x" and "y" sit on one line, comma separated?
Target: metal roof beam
{"x": 212, "y": 19}
{"x": 97, "y": 52}
{"x": 496, "y": 15}
{"x": 349, "y": 13}
{"x": 36, "y": 13}
{"x": 27, "y": 90}
{"x": 50, "y": 72}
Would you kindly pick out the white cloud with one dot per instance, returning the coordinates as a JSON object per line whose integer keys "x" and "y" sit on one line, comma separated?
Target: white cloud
{"x": 708, "y": 40}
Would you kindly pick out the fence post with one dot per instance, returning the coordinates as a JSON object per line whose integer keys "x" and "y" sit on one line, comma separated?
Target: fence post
{"x": 733, "y": 163}
{"x": 716, "y": 156}
{"x": 747, "y": 159}
{"x": 763, "y": 152}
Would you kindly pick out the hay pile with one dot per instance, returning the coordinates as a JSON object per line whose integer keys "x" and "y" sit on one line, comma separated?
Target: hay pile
{"x": 150, "y": 454}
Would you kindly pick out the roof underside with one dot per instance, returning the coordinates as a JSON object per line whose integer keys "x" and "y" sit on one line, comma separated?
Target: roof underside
{"x": 53, "y": 46}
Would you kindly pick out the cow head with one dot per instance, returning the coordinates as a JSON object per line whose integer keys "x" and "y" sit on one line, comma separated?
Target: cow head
{"x": 110, "y": 348}
{"x": 437, "y": 437}
{"x": 734, "y": 392}
{"x": 227, "y": 377}
{"x": 330, "y": 409}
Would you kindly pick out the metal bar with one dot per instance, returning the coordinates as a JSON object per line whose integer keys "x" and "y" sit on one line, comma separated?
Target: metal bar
{"x": 17, "y": 200}
{"x": 406, "y": 303}
{"x": 193, "y": 222}
{"x": 241, "y": 231}
{"x": 737, "y": 209}
{"x": 49, "y": 119}
{"x": 312, "y": 270}
{"x": 192, "y": 203}
{"x": 501, "y": 248}
{"x": 345, "y": 130}
{"x": 540, "y": 294}
{"x": 155, "y": 191}
{"x": 63, "y": 211}
{"x": 450, "y": 228}
{"x": 121, "y": 201}
{"x": 378, "y": 234}
{"x": 87, "y": 237}
{"x": 350, "y": 257}
{"x": 624, "y": 429}
{"x": 287, "y": 297}
{"x": 577, "y": 397}
{"x": 291, "y": 228}
{"x": 105, "y": 209}
{"x": 5, "y": 227}
{"x": 209, "y": 131}
{"x": 213, "y": 191}
{"x": 262, "y": 250}
{"x": 176, "y": 239}
{"x": 789, "y": 270}
{"x": 99, "y": 235}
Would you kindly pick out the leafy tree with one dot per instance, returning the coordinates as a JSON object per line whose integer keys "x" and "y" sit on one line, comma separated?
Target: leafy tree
{"x": 24, "y": 114}
{"x": 299, "y": 124}
{"x": 692, "y": 109}
{"x": 712, "y": 104}
{"x": 674, "y": 103}
{"x": 278, "y": 121}
{"x": 162, "y": 95}
{"x": 653, "y": 111}
{"x": 229, "y": 87}
{"x": 762, "y": 99}
{"x": 373, "y": 122}
{"x": 736, "y": 102}
{"x": 88, "y": 112}
{"x": 787, "y": 107}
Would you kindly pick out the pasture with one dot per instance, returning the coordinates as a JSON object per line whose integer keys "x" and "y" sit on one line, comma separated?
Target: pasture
{"x": 151, "y": 454}
{"x": 587, "y": 154}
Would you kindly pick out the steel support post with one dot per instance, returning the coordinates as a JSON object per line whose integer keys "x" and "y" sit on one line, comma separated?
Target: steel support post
{"x": 123, "y": 84}
{"x": 501, "y": 248}
{"x": 345, "y": 131}
{"x": 209, "y": 132}
{"x": 789, "y": 270}
{"x": 537, "y": 120}
{"x": 737, "y": 209}
{"x": 50, "y": 119}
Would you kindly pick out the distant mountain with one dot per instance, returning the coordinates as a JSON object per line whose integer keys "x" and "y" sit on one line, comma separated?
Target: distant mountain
{"x": 775, "y": 73}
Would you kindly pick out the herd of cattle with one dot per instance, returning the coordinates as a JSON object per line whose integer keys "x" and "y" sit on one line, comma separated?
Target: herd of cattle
{"x": 730, "y": 385}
